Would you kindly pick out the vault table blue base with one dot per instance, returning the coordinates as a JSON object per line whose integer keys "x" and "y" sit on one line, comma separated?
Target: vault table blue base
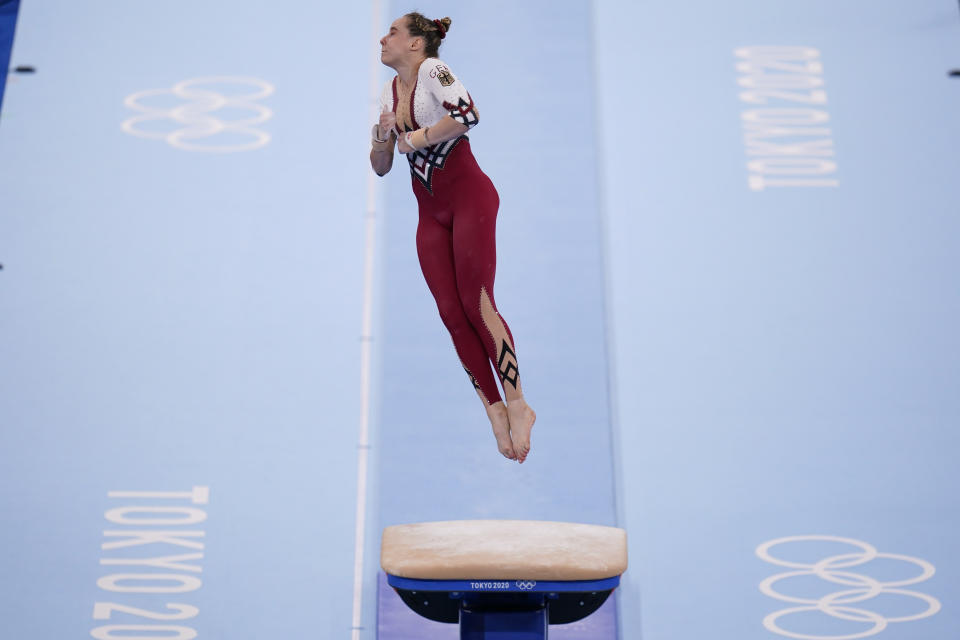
{"x": 504, "y": 609}
{"x": 396, "y": 621}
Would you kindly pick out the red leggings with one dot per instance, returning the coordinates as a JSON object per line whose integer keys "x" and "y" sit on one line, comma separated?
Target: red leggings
{"x": 456, "y": 244}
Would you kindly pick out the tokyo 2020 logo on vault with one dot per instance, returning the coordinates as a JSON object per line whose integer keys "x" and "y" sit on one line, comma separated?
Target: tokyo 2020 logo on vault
{"x": 217, "y": 114}
{"x": 853, "y": 575}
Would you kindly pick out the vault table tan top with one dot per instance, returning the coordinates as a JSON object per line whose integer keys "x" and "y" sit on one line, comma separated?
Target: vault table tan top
{"x": 503, "y": 550}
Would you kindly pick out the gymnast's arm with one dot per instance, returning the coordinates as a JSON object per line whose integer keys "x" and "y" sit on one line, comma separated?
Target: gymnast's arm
{"x": 381, "y": 154}
{"x": 447, "y": 129}
{"x": 382, "y": 137}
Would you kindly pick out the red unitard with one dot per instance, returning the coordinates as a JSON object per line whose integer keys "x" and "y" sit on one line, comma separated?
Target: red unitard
{"x": 456, "y": 234}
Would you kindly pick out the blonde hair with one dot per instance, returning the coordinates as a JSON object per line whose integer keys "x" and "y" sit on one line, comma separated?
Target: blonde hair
{"x": 432, "y": 31}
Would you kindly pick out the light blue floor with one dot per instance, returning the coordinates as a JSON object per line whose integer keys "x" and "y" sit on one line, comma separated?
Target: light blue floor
{"x": 786, "y": 362}
{"x": 714, "y": 367}
{"x": 167, "y": 316}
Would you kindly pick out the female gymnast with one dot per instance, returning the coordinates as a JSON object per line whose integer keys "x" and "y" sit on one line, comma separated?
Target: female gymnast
{"x": 425, "y": 111}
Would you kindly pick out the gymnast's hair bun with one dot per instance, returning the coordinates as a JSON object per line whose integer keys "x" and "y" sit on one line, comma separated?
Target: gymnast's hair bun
{"x": 432, "y": 31}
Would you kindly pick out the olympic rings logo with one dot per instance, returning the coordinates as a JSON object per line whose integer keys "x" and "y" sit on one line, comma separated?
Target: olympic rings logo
{"x": 526, "y": 585}
{"x": 196, "y": 120}
{"x": 836, "y": 605}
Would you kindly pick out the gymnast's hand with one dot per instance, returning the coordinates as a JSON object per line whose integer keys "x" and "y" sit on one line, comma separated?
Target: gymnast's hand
{"x": 388, "y": 120}
{"x": 402, "y": 145}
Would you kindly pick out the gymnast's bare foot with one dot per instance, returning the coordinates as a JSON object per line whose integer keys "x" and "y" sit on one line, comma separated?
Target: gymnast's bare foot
{"x": 522, "y": 418}
{"x": 497, "y": 413}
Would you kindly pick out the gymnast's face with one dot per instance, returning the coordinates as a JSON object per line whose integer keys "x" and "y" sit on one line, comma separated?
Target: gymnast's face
{"x": 398, "y": 44}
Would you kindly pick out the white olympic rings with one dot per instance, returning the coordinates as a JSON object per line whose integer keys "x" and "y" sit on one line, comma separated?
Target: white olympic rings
{"x": 526, "y": 585}
{"x": 834, "y": 604}
{"x": 197, "y": 117}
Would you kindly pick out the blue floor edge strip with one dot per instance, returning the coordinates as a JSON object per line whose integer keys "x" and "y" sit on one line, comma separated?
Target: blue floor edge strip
{"x": 8, "y": 26}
